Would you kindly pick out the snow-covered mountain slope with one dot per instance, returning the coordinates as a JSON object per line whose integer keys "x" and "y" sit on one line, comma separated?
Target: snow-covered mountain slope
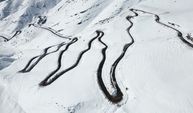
{"x": 96, "y": 56}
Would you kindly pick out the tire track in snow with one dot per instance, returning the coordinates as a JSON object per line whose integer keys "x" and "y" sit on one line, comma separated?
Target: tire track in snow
{"x": 118, "y": 96}
{"x": 55, "y": 74}
{"x": 157, "y": 19}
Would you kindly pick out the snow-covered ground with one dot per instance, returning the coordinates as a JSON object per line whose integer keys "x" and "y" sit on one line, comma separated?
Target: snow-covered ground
{"x": 61, "y": 38}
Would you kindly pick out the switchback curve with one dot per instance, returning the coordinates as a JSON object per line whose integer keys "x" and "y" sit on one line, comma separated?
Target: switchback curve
{"x": 54, "y": 75}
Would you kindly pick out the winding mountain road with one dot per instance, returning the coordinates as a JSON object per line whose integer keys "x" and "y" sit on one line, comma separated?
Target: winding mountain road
{"x": 8, "y": 39}
{"x": 51, "y": 30}
{"x": 54, "y": 75}
{"x": 5, "y": 38}
{"x": 157, "y": 19}
{"x": 118, "y": 96}
{"x": 35, "y": 60}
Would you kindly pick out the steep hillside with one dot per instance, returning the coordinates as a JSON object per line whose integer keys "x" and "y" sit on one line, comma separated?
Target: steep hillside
{"x": 96, "y": 56}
